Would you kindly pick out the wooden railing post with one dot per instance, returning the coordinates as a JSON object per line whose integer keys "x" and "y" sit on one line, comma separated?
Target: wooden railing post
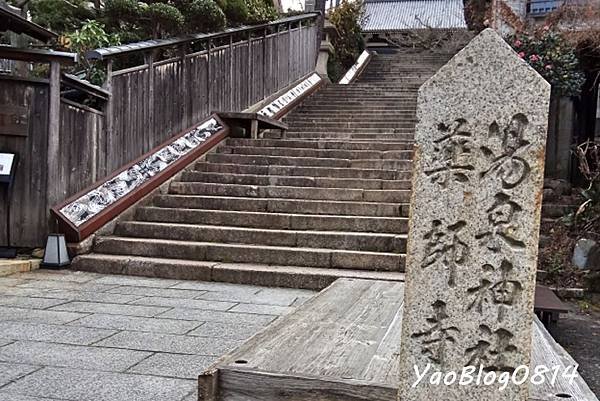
{"x": 265, "y": 76}
{"x": 208, "y": 77}
{"x": 109, "y": 118}
{"x": 289, "y": 74}
{"x": 184, "y": 100}
{"x": 149, "y": 61}
{"x": 250, "y": 70}
{"x": 54, "y": 186}
{"x": 231, "y": 80}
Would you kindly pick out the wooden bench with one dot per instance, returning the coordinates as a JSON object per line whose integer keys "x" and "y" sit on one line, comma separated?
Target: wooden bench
{"x": 343, "y": 345}
{"x": 548, "y": 306}
{"x": 253, "y": 123}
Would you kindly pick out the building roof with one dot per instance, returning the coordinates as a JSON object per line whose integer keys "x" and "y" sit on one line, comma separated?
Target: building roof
{"x": 10, "y": 21}
{"x": 399, "y": 15}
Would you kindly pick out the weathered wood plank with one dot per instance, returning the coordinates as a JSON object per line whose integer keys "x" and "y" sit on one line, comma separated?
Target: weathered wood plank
{"x": 244, "y": 385}
{"x": 343, "y": 344}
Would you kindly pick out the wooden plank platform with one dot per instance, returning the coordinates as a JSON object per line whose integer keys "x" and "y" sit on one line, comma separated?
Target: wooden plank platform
{"x": 343, "y": 344}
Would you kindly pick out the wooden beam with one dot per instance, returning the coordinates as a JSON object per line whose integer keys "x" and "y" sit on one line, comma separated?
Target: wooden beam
{"x": 53, "y": 162}
{"x": 37, "y": 56}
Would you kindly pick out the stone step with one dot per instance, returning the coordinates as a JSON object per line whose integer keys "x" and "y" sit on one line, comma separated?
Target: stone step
{"x": 332, "y": 109}
{"x": 310, "y": 278}
{"x": 342, "y": 135}
{"x": 376, "y": 174}
{"x": 351, "y": 114}
{"x": 337, "y": 120}
{"x": 272, "y": 191}
{"x": 352, "y": 130}
{"x": 288, "y": 221}
{"x": 351, "y": 125}
{"x": 280, "y": 205}
{"x": 320, "y": 153}
{"x": 246, "y": 253}
{"x": 309, "y": 144}
{"x": 387, "y": 164}
{"x": 353, "y": 241}
{"x": 295, "y": 181}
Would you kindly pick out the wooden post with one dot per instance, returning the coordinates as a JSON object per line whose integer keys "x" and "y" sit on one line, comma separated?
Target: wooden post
{"x": 208, "y": 83}
{"x": 265, "y": 76}
{"x": 250, "y": 72}
{"x": 150, "y": 133}
{"x": 109, "y": 118}
{"x": 231, "y": 80}
{"x": 289, "y": 75}
{"x": 254, "y": 129}
{"x": 185, "y": 117}
{"x": 54, "y": 188}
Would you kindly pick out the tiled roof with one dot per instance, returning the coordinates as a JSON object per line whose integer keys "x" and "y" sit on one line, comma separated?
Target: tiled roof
{"x": 397, "y": 15}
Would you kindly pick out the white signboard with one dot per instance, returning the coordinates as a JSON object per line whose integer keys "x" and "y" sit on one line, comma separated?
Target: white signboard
{"x": 6, "y": 162}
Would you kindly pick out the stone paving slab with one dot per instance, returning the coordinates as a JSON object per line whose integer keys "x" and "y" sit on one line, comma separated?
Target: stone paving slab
{"x": 159, "y": 342}
{"x": 185, "y": 303}
{"x": 89, "y": 385}
{"x": 51, "y": 333}
{"x": 157, "y": 292}
{"x": 18, "y": 397}
{"x": 72, "y": 356}
{"x": 29, "y": 302}
{"x": 10, "y": 372}
{"x": 97, "y": 307}
{"x": 92, "y": 337}
{"x": 226, "y": 330}
{"x": 262, "y": 309}
{"x": 171, "y": 365}
{"x": 215, "y": 316}
{"x": 36, "y": 315}
{"x": 135, "y": 323}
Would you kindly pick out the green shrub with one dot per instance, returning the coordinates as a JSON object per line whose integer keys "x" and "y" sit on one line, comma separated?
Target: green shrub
{"x": 164, "y": 19}
{"x": 204, "y": 16}
{"x": 60, "y": 16}
{"x": 92, "y": 35}
{"x": 260, "y": 11}
{"x": 552, "y": 57}
{"x": 347, "y": 19}
{"x": 122, "y": 10}
{"x": 236, "y": 11}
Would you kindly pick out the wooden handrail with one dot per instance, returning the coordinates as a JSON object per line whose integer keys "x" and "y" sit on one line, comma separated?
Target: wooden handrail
{"x": 149, "y": 45}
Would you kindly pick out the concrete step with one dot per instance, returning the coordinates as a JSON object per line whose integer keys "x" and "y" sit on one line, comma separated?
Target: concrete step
{"x": 310, "y": 278}
{"x": 357, "y": 173}
{"x": 295, "y": 181}
{"x": 254, "y": 191}
{"x": 246, "y": 253}
{"x": 386, "y": 164}
{"x": 354, "y": 241}
{"x": 281, "y": 205}
{"x": 320, "y": 153}
{"x": 309, "y": 144}
{"x": 288, "y": 221}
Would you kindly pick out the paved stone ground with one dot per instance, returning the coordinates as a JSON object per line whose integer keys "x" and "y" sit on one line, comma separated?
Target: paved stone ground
{"x": 73, "y": 336}
{"x": 579, "y": 333}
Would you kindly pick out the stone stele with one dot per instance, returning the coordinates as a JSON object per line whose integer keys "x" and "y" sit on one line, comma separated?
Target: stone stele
{"x": 474, "y": 223}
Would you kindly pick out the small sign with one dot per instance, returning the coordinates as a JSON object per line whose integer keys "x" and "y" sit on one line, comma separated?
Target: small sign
{"x": 7, "y": 167}
{"x": 14, "y": 120}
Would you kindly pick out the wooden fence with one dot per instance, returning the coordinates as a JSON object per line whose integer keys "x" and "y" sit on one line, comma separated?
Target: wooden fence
{"x": 176, "y": 84}
{"x": 152, "y": 101}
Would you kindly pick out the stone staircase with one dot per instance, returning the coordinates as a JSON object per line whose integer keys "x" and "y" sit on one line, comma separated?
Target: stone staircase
{"x": 329, "y": 200}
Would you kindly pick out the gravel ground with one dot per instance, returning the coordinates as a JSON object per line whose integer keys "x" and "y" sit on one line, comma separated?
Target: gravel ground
{"x": 579, "y": 333}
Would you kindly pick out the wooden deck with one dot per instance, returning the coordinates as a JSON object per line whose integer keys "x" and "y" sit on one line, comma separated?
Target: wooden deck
{"x": 343, "y": 344}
